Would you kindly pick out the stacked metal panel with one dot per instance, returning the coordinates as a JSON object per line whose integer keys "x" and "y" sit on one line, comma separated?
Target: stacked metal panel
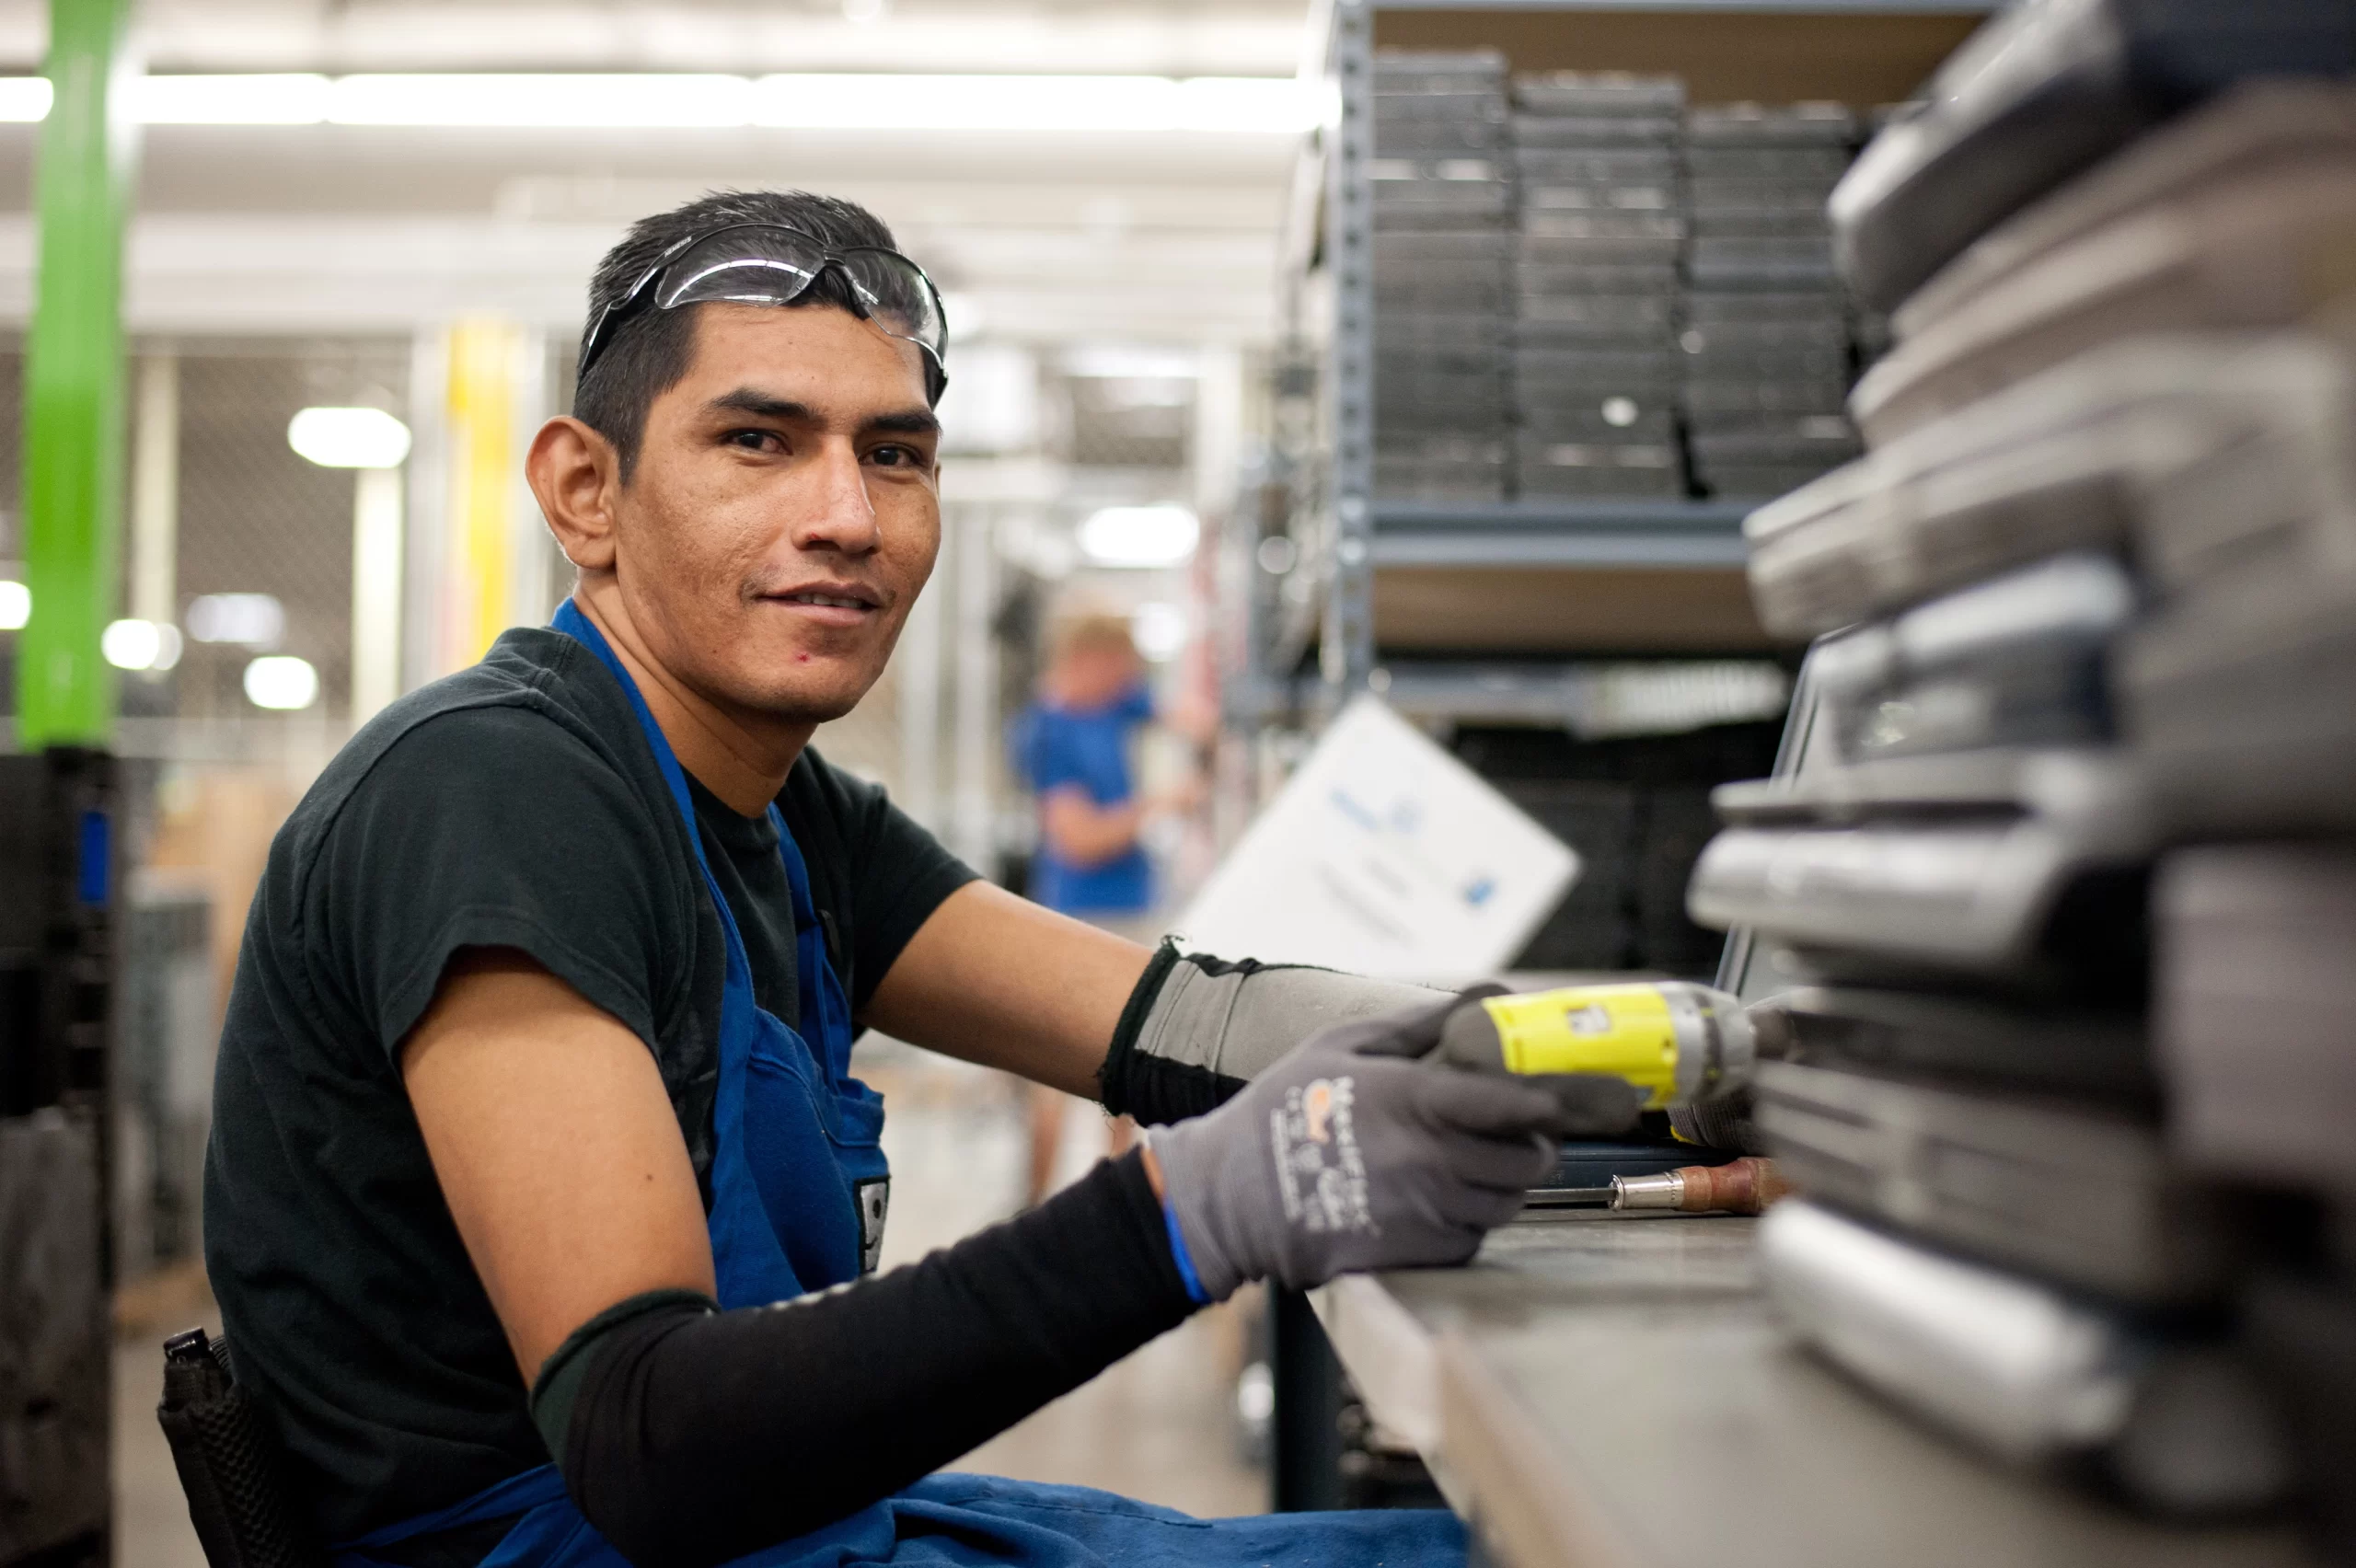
{"x": 1442, "y": 216}
{"x": 1767, "y": 332}
{"x": 1595, "y": 351}
{"x": 2068, "y": 871}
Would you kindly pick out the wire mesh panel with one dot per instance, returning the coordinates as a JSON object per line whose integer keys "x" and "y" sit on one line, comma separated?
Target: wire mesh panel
{"x": 256, "y": 518}
{"x": 1125, "y": 421}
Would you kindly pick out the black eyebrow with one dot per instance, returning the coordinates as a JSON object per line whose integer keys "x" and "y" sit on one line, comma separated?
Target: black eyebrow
{"x": 914, "y": 421}
{"x": 747, "y": 400}
{"x": 744, "y": 401}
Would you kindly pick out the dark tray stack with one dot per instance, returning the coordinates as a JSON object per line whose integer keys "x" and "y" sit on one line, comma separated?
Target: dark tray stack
{"x": 1596, "y": 298}
{"x": 1767, "y": 330}
{"x": 1442, "y": 232}
{"x": 2065, "y": 885}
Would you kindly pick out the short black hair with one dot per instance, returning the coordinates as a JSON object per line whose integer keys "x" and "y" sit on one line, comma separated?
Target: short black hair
{"x": 649, "y": 352}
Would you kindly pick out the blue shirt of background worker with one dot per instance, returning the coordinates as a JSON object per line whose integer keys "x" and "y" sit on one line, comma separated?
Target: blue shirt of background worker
{"x": 1084, "y": 751}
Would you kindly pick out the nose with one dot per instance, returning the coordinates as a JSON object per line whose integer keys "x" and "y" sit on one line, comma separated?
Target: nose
{"x": 841, "y": 517}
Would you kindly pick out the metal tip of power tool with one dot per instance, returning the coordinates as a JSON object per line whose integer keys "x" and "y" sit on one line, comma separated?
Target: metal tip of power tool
{"x": 1569, "y": 1197}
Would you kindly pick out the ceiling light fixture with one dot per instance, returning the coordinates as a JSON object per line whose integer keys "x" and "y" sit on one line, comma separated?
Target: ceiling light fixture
{"x": 141, "y": 644}
{"x": 281, "y": 681}
{"x": 291, "y": 98}
{"x": 555, "y": 99}
{"x": 1139, "y": 535}
{"x": 349, "y": 438}
{"x": 813, "y": 100}
{"x": 253, "y": 620}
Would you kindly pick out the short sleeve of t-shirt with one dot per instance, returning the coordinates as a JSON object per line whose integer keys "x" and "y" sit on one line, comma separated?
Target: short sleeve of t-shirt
{"x": 496, "y": 826}
{"x": 1056, "y": 756}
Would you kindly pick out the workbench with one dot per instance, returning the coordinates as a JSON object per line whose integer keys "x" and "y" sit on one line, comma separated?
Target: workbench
{"x": 1611, "y": 1391}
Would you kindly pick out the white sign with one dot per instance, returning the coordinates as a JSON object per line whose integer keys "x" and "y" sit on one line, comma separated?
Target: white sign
{"x": 1385, "y": 856}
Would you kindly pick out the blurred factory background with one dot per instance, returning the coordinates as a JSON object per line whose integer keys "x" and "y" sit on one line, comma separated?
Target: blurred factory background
{"x": 1106, "y": 241}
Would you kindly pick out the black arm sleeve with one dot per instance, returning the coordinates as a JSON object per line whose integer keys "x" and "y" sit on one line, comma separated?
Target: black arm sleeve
{"x": 1154, "y": 1090}
{"x": 695, "y": 1435}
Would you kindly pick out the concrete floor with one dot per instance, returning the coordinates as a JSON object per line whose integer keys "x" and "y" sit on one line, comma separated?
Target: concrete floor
{"x": 1157, "y": 1425}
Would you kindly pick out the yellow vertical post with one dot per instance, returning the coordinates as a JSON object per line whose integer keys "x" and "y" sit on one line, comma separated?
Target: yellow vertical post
{"x": 483, "y": 359}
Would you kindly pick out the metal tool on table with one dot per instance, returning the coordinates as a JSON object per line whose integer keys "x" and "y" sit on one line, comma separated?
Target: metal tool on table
{"x": 1678, "y": 1041}
{"x": 1740, "y": 1186}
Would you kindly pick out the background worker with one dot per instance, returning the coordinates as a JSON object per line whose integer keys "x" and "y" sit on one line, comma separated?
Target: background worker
{"x": 1075, "y": 746}
{"x": 540, "y": 1201}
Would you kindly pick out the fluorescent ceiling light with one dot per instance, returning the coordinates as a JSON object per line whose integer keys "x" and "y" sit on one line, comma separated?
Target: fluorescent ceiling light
{"x": 349, "y": 438}
{"x": 1159, "y": 631}
{"x": 815, "y": 101}
{"x": 285, "y": 98}
{"x": 141, "y": 644}
{"x": 281, "y": 681}
{"x": 849, "y": 102}
{"x": 24, "y": 98}
{"x": 15, "y": 604}
{"x": 550, "y": 100}
{"x": 1139, "y": 535}
{"x": 257, "y": 621}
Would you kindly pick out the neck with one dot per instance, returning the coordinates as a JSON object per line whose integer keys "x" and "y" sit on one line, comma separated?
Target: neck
{"x": 740, "y": 754}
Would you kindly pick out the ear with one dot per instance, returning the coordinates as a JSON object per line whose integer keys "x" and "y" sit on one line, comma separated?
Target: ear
{"x": 575, "y": 475}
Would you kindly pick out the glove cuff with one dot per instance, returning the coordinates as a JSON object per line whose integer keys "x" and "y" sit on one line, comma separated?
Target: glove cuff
{"x": 1188, "y": 1196}
{"x": 1183, "y": 1259}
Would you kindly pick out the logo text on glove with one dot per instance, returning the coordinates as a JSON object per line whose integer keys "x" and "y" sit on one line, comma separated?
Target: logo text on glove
{"x": 1319, "y": 1169}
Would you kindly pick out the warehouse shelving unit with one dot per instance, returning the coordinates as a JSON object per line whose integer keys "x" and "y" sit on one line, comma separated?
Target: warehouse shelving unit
{"x": 1555, "y": 579}
{"x": 1528, "y": 613}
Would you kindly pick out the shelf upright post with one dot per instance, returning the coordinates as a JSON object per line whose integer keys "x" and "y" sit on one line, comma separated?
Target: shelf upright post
{"x": 1346, "y": 652}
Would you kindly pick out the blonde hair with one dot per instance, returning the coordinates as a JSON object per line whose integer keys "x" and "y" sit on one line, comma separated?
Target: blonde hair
{"x": 1095, "y": 631}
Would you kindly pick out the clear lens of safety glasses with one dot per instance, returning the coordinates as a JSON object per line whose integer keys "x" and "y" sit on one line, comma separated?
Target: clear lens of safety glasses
{"x": 763, "y": 264}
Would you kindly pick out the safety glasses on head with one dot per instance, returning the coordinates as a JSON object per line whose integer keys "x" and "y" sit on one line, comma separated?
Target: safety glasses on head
{"x": 770, "y": 264}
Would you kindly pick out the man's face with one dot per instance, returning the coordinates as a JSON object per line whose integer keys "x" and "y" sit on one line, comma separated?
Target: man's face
{"x": 784, "y": 510}
{"x": 1093, "y": 674}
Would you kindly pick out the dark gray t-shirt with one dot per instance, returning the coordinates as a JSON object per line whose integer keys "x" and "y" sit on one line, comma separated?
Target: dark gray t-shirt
{"x": 514, "y": 804}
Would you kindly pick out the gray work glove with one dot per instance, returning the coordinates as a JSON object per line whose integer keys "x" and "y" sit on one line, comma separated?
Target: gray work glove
{"x": 1348, "y": 1154}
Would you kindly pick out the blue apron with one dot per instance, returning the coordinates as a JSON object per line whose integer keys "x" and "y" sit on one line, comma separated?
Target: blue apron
{"x": 798, "y": 1194}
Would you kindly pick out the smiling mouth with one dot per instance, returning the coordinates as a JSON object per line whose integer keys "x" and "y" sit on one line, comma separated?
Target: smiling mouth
{"x": 831, "y": 600}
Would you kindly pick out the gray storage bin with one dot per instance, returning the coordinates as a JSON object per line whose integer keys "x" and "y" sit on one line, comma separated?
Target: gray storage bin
{"x": 1625, "y": 420}
{"x": 1541, "y": 276}
{"x": 2263, "y": 252}
{"x": 1963, "y": 891}
{"x": 2240, "y": 700}
{"x": 1751, "y": 125}
{"x": 1823, "y": 395}
{"x": 1814, "y": 307}
{"x": 2253, "y": 991}
{"x": 2172, "y": 1419}
{"x": 1984, "y": 1172}
{"x": 1596, "y": 166}
{"x": 1597, "y": 196}
{"x": 1593, "y": 130}
{"x": 1583, "y": 93}
{"x": 1546, "y": 482}
{"x": 1808, "y": 166}
{"x": 2097, "y": 1055}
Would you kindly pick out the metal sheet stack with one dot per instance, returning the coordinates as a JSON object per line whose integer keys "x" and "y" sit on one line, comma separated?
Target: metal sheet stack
{"x": 1442, "y": 233}
{"x": 1767, "y": 331}
{"x": 1595, "y": 357}
{"x": 2065, "y": 885}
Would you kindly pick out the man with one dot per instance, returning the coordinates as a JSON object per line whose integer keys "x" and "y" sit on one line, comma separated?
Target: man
{"x": 1073, "y": 750}
{"x": 539, "y": 1196}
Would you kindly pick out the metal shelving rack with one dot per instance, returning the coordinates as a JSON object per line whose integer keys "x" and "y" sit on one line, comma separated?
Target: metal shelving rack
{"x": 1344, "y": 535}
